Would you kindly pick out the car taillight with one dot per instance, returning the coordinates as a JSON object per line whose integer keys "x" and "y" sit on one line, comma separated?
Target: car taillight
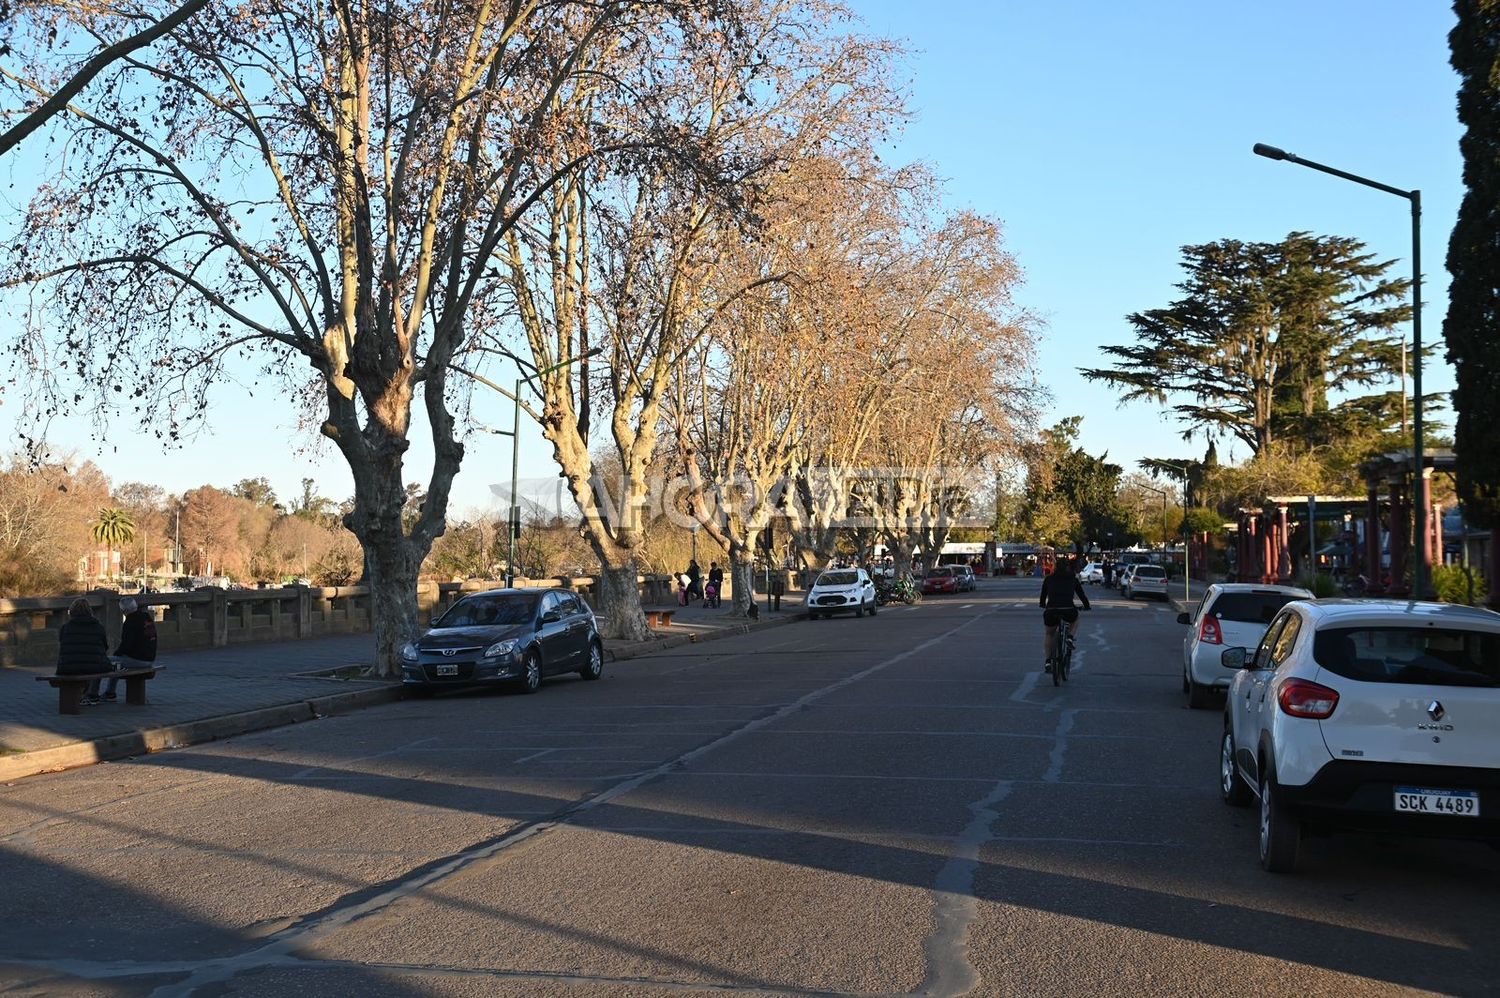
{"x": 1209, "y": 632}
{"x": 1300, "y": 698}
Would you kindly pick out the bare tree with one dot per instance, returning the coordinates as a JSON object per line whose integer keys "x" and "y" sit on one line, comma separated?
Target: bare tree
{"x": 329, "y": 183}
{"x": 633, "y": 260}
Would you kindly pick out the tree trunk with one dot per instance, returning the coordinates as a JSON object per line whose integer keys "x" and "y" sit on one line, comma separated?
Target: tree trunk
{"x": 392, "y": 579}
{"x": 620, "y": 602}
{"x": 742, "y": 575}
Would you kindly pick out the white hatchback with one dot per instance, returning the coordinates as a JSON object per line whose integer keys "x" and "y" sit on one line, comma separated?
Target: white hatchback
{"x": 1229, "y": 614}
{"x": 1366, "y": 714}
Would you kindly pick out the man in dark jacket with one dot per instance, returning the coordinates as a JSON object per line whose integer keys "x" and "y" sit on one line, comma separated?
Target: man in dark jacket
{"x": 82, "y": 647}
{"x": 137, "y": 648}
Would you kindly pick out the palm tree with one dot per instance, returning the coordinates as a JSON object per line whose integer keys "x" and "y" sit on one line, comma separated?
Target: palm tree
{"x": 114, "y": 528}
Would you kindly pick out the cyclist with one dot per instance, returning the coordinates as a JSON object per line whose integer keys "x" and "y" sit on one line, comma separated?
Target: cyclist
{"x": 1058, "y": 590}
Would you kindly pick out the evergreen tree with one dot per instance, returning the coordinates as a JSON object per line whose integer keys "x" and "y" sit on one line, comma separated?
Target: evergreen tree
{"x": 1474, "y": 261}
{"x": 1263, "y": 330}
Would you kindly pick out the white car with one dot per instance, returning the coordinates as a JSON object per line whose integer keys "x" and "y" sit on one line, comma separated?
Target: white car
{"x": 840, "y": 590}
{"x": 1092, "y": 572}
{"x": 1366, "y": 713}
{"x": 1229, "y": 614}
{"x": 1146, "y": 580}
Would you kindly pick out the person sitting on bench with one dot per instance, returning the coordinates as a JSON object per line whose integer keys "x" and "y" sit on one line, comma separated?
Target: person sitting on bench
{"x": 83, "y": 647}
{"x": 137, "y": 649}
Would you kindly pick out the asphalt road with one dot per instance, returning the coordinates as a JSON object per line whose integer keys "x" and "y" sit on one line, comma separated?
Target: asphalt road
{"x": 896, "y": 805}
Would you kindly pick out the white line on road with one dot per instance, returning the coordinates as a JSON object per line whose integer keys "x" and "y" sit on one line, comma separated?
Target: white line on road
{"x": 281, "y": 948}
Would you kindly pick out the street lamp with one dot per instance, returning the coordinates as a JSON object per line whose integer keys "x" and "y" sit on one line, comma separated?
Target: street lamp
{"x": 1163, "y": 494}
{"x": 513, "y": 521}
{"x": 1187, "y": 545}
{"x": 1421, "y": 572}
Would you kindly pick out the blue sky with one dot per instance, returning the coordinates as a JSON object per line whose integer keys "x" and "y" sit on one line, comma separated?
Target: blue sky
{"x": 1104, "y": 136}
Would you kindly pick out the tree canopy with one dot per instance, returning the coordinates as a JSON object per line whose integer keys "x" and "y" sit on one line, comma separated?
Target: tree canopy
{"x": 1474, "y": 261}
{"x": 1262, "y": 332}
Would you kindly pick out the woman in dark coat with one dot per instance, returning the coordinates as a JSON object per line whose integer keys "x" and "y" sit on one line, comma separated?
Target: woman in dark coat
{"x": 83, "y": 647}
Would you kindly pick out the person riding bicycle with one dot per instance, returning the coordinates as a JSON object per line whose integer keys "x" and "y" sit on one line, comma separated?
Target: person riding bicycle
{"x": 1058, "y": 590}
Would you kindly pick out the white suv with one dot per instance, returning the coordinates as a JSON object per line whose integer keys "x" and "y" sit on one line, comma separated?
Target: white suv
{"x": 1229, "y": 614}
{"x": 1146, "y": 580}
{"x": 1366, "y": 713}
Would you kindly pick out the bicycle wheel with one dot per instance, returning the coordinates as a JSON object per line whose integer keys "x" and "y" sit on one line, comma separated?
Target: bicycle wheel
{"x": 1067, "y": 661}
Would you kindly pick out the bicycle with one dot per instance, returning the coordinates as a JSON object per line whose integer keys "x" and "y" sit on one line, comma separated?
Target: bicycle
{"x": 1062, "y": 653}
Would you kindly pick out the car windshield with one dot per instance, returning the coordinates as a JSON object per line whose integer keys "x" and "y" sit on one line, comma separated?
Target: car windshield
{"x": 1414, "y": 655}
{"x": 939, "y": 573}
{"x": 838, "y": 578}
{"x": 1250, "y": 608}
{"x": 486, "y": 611}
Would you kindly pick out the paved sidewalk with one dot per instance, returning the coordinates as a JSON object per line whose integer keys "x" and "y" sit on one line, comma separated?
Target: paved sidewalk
{"x": 215, "y": 693}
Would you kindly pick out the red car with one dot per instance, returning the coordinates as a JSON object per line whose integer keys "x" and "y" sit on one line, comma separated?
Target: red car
{"x": 940, "y": 580}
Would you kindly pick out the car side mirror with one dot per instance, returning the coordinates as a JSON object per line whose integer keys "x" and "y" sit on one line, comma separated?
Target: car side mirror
{"x": 432, "y": 622}
{"x": 551, "y": 617}
{"x": 1234, "y": 658}
{"x": 1183, "y": 618}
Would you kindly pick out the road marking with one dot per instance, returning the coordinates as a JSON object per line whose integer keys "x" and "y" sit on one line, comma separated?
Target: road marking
{"x": 950, "y": 971}
{"x": 281, "y": 949}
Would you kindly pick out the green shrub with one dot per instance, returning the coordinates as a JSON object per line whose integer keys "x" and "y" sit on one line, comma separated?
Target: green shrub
{"x": 1320, "y": 585}
{"x": 1452, "y": 584}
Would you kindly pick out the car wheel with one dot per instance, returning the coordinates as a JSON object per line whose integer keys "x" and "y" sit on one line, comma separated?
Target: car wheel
{"x": 859, "y": 611}
{"x": 1185, "y": 686}
{"x": 594, "y": 668}
{"x": 872, "y": 608}
{"x": 531, "y": 678}
{"x": 1199, "y": 696}
{"x": 1280, "y": 830}
{"x": 1232, "y": 786}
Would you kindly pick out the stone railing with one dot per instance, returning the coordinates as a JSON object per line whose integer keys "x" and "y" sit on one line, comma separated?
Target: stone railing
{"x": 213, "y": 618}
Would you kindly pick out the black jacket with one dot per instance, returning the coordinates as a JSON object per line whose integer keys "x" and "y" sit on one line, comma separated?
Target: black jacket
{"x": 138, "y": 636}
{"x": 1058, "y": 592}
{"x": 82, "y": 648}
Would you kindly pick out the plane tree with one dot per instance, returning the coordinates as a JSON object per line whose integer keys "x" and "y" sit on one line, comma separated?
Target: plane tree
{"x": 318, "y": 191}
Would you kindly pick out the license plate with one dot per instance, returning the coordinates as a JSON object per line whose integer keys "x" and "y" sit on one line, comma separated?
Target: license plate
{"x": 1419, "y": 800}
{"x": 447, "y": 670}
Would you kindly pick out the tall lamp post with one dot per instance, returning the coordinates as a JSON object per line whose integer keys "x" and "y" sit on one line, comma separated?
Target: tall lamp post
{"x": 1187, "y": 544}
{"x": 1420, "y": 573}
{"x": 1163, "y": 494}
{"x": 513, "y": 520}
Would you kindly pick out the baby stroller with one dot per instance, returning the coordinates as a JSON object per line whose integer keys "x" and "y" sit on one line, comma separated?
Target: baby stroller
{"x": 711, "y": 595}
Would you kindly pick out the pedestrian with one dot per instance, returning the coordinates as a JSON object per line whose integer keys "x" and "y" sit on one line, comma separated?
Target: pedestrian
{"x": 83, "y": 647}
{"x": 137, "y": 648}
{"x": 715, "y": 582}
{"x": 695, "y": 580}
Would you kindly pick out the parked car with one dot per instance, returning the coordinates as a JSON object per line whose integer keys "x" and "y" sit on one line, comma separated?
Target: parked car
{"x": 1366, "y": 714}
{"x": 965, "y": 577}
{"x": 1146, "y": 580}
{"x": 1229, "y": 614}
{"x": 939, "y": 580}
{"x": 841, "y": 590}
{"x": 506, "y": 636}
{"x": 1092, "y": 572}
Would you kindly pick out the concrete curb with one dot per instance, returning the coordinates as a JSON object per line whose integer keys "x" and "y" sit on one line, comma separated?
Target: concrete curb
{"x": 208, "y": 729}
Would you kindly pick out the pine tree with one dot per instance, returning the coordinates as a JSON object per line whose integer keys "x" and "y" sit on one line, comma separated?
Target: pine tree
{"x": 1474, "y": 261}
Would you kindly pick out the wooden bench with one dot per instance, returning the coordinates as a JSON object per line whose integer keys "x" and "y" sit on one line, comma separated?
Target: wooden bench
{"x": 70, "y": 689}
{"x": 659, "y": 618}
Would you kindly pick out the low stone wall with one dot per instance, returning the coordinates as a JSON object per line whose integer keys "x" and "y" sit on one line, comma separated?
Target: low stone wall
{"x": 214, "y": 618}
